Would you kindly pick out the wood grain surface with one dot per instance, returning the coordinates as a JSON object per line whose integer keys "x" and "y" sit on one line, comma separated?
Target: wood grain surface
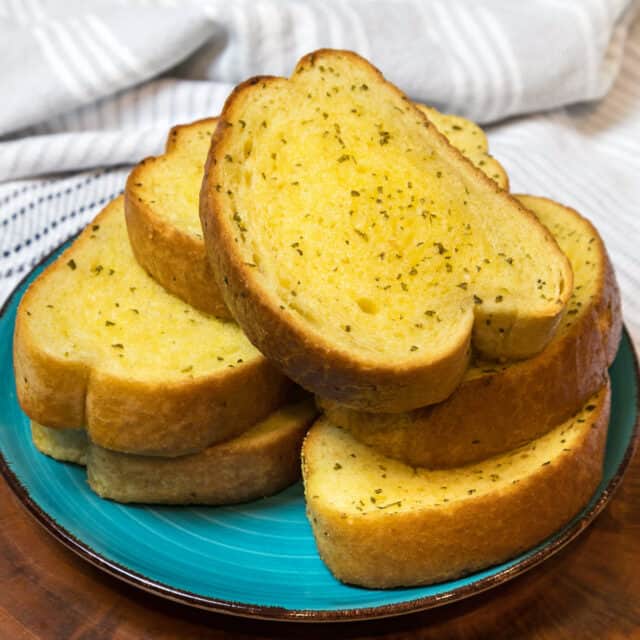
{"x": 591, "y": 589}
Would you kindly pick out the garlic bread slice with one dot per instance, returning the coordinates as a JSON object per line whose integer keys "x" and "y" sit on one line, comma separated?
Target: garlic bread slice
{"x": 99, "y": 344}
{"x": 379, "y": 523}
{"x": 359, "y": 250}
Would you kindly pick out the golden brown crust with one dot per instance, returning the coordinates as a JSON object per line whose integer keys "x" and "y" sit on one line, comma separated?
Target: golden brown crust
{"x": 497, "y": 412}
{"x": 168, "y": 418}
{"x": 176, "y": 259}
{"x": 310, "y": 359}
{"x": 498, "y": 173}
{"x": 173, "y": 419}
{"x": 260, "y": 462}
{"x": 67, "y": 445}
{"x": 610, "y": 313}
{"x": 249, "y": 467}
{"x": 420, "y": 546}
{"x": 49, "y": 389}
{"x": 607, "y": 304}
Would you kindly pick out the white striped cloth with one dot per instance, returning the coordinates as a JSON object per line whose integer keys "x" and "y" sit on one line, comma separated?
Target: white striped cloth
{"x": 486, "y": 60}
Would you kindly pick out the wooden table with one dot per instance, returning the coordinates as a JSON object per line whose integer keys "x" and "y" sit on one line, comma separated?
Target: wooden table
{"x": 591, "y": 589}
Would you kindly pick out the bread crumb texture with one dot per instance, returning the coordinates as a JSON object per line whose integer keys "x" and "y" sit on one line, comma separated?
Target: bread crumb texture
{"x": 161, "y": 204}
{"x": 489, "y": 413}
{"x": 100, "y": 307}
{"x": 469, "y": 138}
{"x": 371, "y": 482}
{"x": 172, "y": 181}
{"x": 582, "y": 245}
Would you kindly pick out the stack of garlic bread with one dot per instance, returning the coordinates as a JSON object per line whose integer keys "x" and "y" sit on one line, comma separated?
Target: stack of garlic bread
{"x": 327, "y": 233}
{"x": 150, "y": 393}
{"x": 457, "y": 337}
{"x": 259, "y": 462}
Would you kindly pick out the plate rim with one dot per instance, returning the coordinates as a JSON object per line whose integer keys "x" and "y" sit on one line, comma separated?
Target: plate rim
{"x": 283, "y": 614}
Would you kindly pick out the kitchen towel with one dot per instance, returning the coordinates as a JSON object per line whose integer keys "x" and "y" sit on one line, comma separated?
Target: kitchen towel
{"x": 486, "y": 60}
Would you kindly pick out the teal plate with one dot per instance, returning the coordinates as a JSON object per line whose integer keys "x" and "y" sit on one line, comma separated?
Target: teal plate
{"x": 258, "y": 559}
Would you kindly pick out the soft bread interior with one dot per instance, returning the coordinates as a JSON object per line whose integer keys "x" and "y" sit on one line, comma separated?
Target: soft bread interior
{"x": 582, "y": 245}
{"x": 172, "y": 181}
{"x": 489, "y": 413}
{"x": 379, "y": 523}
{"x": 364, "y": 222}
{"x": 102, "y": 309}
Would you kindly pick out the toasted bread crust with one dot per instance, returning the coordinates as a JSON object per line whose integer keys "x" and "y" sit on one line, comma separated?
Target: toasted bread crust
{"x": 258, "y": 463}
{"x": 610, "y": 313}
{"x": 66, "y": 445}
{"x": 167, "y": 418}
{"x": 308, "y": 358}
{"x": 490, "y": 414}
{"x": 177, "y": 260}
{"x": 421, "y": 546}
{"x": 238, "y": 470}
